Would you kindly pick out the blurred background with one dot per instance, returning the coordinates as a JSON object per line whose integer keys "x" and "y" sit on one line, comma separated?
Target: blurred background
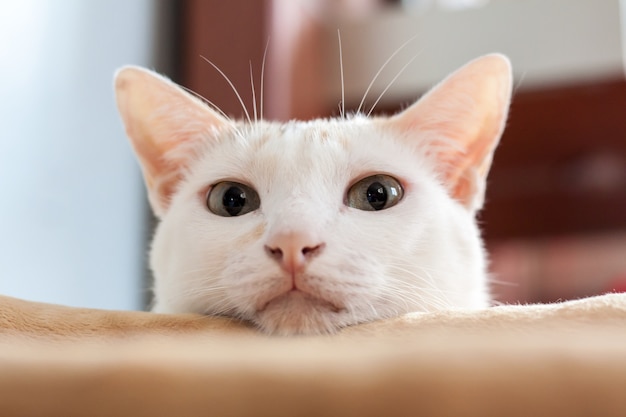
{"x": 74, "y": 222}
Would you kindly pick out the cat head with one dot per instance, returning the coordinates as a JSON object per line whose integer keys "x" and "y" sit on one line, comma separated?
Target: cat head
{"x": 305, "y": 227}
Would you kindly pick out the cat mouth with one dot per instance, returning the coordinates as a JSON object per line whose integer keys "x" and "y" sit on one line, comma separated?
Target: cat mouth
{"x": 298, "y": 312}
{"x": 296, "y": 299}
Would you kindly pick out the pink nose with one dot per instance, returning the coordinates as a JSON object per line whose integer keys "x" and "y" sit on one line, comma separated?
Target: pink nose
{"x": 293, "y": 250}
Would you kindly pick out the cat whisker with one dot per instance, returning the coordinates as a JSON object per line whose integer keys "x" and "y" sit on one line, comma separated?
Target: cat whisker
{"x": 263, "y": 77}
{"x": 201, "y": 274}
{"x": 426, "y": 268}
{"x": 243, "y": 106}
{"x": 410, "y": 294}
{"x": 435, "y": 294}
{"x": 519, "y": 82}
{"x": 408, "y": 271}
{"x": 343, "y": 90}
{"x": 500, "y": 282}
{"x": 369, "y": 87}
{"x": 209, "y": 102}
{"x": 201, "y": 282}
{"x": 214, "y": 305}
{"x": 373, "y": 309}
{"x": 223, "y": 308}
{"x": 404, "y": 266}
{"x": 397, "y": 299}
{"x": 391, "y": 83}
{"x": 231, "y": 123}
{"x": 199, "y": 292}
{"x": 443, "y": 293}
{"x": 253, "y": 94}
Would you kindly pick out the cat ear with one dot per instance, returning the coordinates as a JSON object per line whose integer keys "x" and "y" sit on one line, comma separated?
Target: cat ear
{"x": 162, "y": 121}
{"x": 464, "y": 116}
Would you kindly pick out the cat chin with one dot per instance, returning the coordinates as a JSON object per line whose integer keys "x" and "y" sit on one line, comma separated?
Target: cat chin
{"x": 298, "y": 313}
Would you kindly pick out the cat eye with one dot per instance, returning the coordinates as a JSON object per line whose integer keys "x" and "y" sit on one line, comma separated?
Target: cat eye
{"x": 377, "y": 192}
{"x": 230, "y": 199}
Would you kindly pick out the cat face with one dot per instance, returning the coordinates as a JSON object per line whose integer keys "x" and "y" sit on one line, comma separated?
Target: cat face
{"x": 306, "y": 227}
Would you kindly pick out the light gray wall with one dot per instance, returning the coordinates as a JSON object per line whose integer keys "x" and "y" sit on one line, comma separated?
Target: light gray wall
{"x": 550, "y": 42}
{"x": 71, "y": 199}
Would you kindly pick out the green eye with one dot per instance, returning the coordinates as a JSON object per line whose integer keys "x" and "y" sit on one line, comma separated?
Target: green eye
{"x": 229, "y": 199}
{"x": 377, "y": 192}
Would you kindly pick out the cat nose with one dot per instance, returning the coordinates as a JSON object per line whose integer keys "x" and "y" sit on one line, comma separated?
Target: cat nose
{"x": 293, "y": 250}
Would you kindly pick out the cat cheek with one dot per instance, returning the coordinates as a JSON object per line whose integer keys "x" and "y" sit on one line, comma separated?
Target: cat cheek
{"x": 250, "y": 237}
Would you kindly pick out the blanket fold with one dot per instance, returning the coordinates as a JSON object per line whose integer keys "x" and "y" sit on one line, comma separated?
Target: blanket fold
{"x": 566, "y": 359}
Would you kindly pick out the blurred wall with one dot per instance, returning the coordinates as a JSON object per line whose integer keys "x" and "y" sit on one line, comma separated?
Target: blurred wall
{"x": 550, "y": 43}
{"x": 71, "y": 200}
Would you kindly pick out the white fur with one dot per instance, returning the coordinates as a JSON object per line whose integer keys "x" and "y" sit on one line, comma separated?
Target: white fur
{"x": 423, "y": 254}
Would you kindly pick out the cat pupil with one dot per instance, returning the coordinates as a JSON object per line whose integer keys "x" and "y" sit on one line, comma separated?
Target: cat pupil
{"x": 234, "y": 200}
{"x": 377, "y": 196}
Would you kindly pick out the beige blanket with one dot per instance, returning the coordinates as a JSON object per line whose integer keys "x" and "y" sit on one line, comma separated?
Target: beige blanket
{"x": 564, "y": 359}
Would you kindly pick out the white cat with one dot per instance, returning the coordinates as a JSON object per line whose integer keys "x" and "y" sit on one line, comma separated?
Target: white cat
{"x": 306, "y": 227}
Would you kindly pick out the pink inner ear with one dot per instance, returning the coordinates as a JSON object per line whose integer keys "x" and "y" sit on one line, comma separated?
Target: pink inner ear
{"x": 471, "y": 162}
{"x": 468, "y": 110}
{"x": 161, "y": 120}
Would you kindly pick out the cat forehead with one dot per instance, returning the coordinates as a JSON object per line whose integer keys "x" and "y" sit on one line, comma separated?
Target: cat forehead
{"x": 321, "y": 132}
{"x": 311, "y": 146}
